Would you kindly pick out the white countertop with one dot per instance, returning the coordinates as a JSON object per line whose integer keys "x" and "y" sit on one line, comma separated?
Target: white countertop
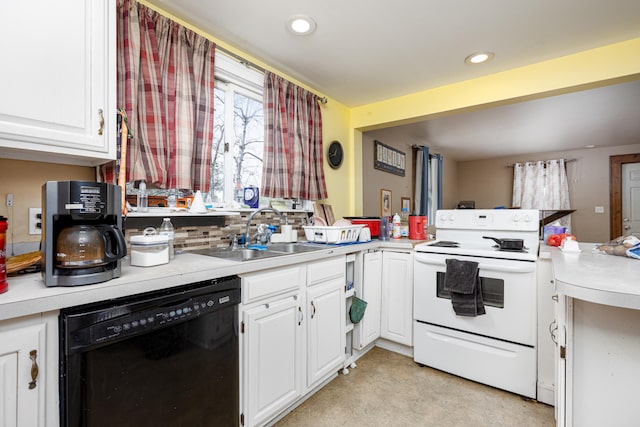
{"x": 596, "y": 277}
{"x": 28, "y": 294}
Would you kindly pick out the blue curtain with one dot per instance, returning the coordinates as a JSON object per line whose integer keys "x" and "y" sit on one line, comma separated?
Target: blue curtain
{"x": 428, "y": 183}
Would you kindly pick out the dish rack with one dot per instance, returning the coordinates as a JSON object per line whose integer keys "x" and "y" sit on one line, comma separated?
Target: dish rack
{"x": 332, "y": 234}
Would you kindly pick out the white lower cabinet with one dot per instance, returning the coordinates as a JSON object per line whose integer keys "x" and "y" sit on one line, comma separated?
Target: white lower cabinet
{"x": 326, "y": 337}
{"x": 370, "y": 290}
{"x": 272, "y": 359}
{"x": 293, "y": 321}
{"x": 397, "y": 297}
{"x": 28, "y": 371}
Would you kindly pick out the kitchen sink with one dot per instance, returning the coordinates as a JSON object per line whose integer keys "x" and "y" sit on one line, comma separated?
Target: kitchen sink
{"x": 292, "y": 248}
{"x": 244, "y": 254}
{"x": 240, "y": 254}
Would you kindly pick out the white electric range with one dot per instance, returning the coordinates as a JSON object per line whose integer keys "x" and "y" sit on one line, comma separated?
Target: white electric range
{"x": 498, "y": 347}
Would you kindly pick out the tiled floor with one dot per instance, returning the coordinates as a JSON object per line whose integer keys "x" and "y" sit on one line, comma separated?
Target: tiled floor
{"x": 388, "y": 389}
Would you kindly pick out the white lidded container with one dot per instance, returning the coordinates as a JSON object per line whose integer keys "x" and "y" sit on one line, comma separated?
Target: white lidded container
{"x": 149, "y": 250}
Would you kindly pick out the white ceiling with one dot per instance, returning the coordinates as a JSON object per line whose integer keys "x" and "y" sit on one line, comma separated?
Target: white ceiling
{"x": 365, "y": 51}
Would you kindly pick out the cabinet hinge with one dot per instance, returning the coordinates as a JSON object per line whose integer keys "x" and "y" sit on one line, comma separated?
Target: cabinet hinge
{"x": 563, "y": 352}
{"x": 242, "y": 327}
{"x": 242, "y": 419}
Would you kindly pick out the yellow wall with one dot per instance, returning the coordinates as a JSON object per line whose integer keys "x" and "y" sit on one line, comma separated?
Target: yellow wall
{"x": 597, "y": 67}
{"x": 335, "y": 126}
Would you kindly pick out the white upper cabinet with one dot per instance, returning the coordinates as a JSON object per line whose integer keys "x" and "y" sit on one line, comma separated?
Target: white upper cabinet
{"x": 57, "y": 81}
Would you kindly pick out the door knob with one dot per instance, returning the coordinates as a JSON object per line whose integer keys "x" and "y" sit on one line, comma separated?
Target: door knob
{"x": 627, "y": 227}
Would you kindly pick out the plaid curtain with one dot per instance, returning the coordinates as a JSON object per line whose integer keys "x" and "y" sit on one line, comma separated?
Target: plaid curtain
{"x": 165, "y": 84}
{"x": 293, "y": 155}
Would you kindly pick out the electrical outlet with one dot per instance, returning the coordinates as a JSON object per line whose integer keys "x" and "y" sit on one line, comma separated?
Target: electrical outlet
{"x": 599, "y": 209}
{"x": 9, "y": 200}
{"x": 35, "y": 221}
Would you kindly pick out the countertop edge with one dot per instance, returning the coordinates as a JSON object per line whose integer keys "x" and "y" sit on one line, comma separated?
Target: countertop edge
{"x": 28, "y": 294}
{"x": 595, "y": 277}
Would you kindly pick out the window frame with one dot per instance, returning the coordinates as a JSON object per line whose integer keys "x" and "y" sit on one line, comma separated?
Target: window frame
{"x": 234, "y": 77}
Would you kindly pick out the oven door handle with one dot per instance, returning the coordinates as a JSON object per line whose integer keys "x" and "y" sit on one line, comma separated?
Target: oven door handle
{"x": 526, "y": 267}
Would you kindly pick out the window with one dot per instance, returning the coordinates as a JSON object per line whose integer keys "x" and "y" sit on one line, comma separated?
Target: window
{"x": 236, "y": 160}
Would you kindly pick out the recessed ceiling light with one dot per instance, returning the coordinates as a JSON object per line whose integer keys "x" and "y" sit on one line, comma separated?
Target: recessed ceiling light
{"x": 479, "y": 57}
{"x": 301, "y": 25}
{"x": 590, "y": 146}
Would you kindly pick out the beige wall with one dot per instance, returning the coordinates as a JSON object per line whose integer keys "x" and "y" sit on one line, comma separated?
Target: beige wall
{"x": 374, "y": 180}
{"x": 24, "y": 180}
{"x": 489, "y": 183}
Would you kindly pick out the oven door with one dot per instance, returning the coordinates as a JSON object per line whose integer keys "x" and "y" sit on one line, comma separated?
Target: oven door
{"x": 509, "y": 294}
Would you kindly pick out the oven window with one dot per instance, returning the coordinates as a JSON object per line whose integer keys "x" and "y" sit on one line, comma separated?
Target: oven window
{"x": 492, "y": 290}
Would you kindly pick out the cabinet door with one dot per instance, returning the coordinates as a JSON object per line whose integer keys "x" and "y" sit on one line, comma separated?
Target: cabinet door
{"x": 20, "y": 403}
{"x": 272, "y": 358}
{"x": 397, "y": 297}
{"x": 371, "y": 292}
{"x": 326, "y": 336}
{"x": 58, "y": 85}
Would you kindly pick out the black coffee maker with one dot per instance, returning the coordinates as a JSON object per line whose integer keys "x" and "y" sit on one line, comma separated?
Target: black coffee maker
{"x": 82, "y": 240}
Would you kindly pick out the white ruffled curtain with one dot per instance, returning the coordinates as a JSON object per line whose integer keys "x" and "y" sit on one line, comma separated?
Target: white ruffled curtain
{"x": 541, "y": 185}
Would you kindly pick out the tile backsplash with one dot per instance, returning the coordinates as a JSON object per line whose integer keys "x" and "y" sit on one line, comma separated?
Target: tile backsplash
{"x": 190, "y": 238}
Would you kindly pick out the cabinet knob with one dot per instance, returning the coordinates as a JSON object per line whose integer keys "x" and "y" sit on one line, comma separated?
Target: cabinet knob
{"x": 101, "y": 121}
{"x": 33, "y": 354}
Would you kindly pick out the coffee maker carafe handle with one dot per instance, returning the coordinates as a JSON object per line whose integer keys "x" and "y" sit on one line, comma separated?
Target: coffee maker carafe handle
{"x": 115, "y": 246}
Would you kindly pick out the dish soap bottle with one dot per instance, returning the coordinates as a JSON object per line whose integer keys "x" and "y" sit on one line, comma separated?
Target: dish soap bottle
{"x": 143, "y": 197}
{"x": 166, "y": 229}
{"x": 397, "y": 232}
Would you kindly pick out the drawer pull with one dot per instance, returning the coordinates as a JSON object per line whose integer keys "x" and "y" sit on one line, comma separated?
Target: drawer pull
{"x": 101, "y": 121}
{"x": 33, "y": 354}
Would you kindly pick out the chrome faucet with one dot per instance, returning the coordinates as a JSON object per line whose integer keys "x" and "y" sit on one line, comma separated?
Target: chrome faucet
{"x": 248, "y": 237}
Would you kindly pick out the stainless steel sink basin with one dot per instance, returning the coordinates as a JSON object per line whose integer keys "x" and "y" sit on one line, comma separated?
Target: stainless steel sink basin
{"x": 244, "y": 254}
{"x": 292, "y": 248}
{"x": 240, "y": 254}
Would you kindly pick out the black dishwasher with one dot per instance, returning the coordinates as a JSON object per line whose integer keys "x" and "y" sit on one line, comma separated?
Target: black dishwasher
{"x": 165, "y": 358}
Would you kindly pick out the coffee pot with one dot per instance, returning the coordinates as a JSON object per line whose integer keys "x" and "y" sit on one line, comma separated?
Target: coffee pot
{"x": 82, "y": 246}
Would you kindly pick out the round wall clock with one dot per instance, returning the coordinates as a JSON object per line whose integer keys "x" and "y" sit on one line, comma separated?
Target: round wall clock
{"x": 335, "y": 154}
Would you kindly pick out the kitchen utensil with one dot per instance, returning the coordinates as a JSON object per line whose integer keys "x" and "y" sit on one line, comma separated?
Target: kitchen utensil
{"x": 507, "y": 244}
{"x": 22, "y": 261}
{"x": 81, "y": 246}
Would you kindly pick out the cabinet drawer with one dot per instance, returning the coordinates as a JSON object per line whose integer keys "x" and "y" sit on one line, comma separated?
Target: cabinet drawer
{"x": 264, "y": 284}
{"x": 321, "y": 271}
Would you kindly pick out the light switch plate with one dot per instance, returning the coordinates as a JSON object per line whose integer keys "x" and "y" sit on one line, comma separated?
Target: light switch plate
{"x": 599, "y": 209}
{"x": 35, "y": 215}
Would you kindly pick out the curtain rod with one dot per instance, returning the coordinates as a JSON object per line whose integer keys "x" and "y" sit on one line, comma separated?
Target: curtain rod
{"x": 323, "y": 100}
{"x": 510, "y": 165}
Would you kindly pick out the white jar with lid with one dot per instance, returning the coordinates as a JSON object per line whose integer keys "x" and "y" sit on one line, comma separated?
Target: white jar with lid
{"x": 149, "y": 250}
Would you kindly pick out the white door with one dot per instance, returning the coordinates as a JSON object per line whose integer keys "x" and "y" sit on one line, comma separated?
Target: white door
{"x": 20, "y": 403}
{"x": 631, "y": 199}
{"x": 371, "y": 292}
{"x": 397, "y": 297}
{"x": 326, "y": 337}
{"x": 273, "y": 352}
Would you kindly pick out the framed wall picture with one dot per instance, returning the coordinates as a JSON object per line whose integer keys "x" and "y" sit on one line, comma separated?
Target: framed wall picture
{"x": 405, "y": 202}
{"x": 385, "y": 202}
{"x": 388, "y": 159}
